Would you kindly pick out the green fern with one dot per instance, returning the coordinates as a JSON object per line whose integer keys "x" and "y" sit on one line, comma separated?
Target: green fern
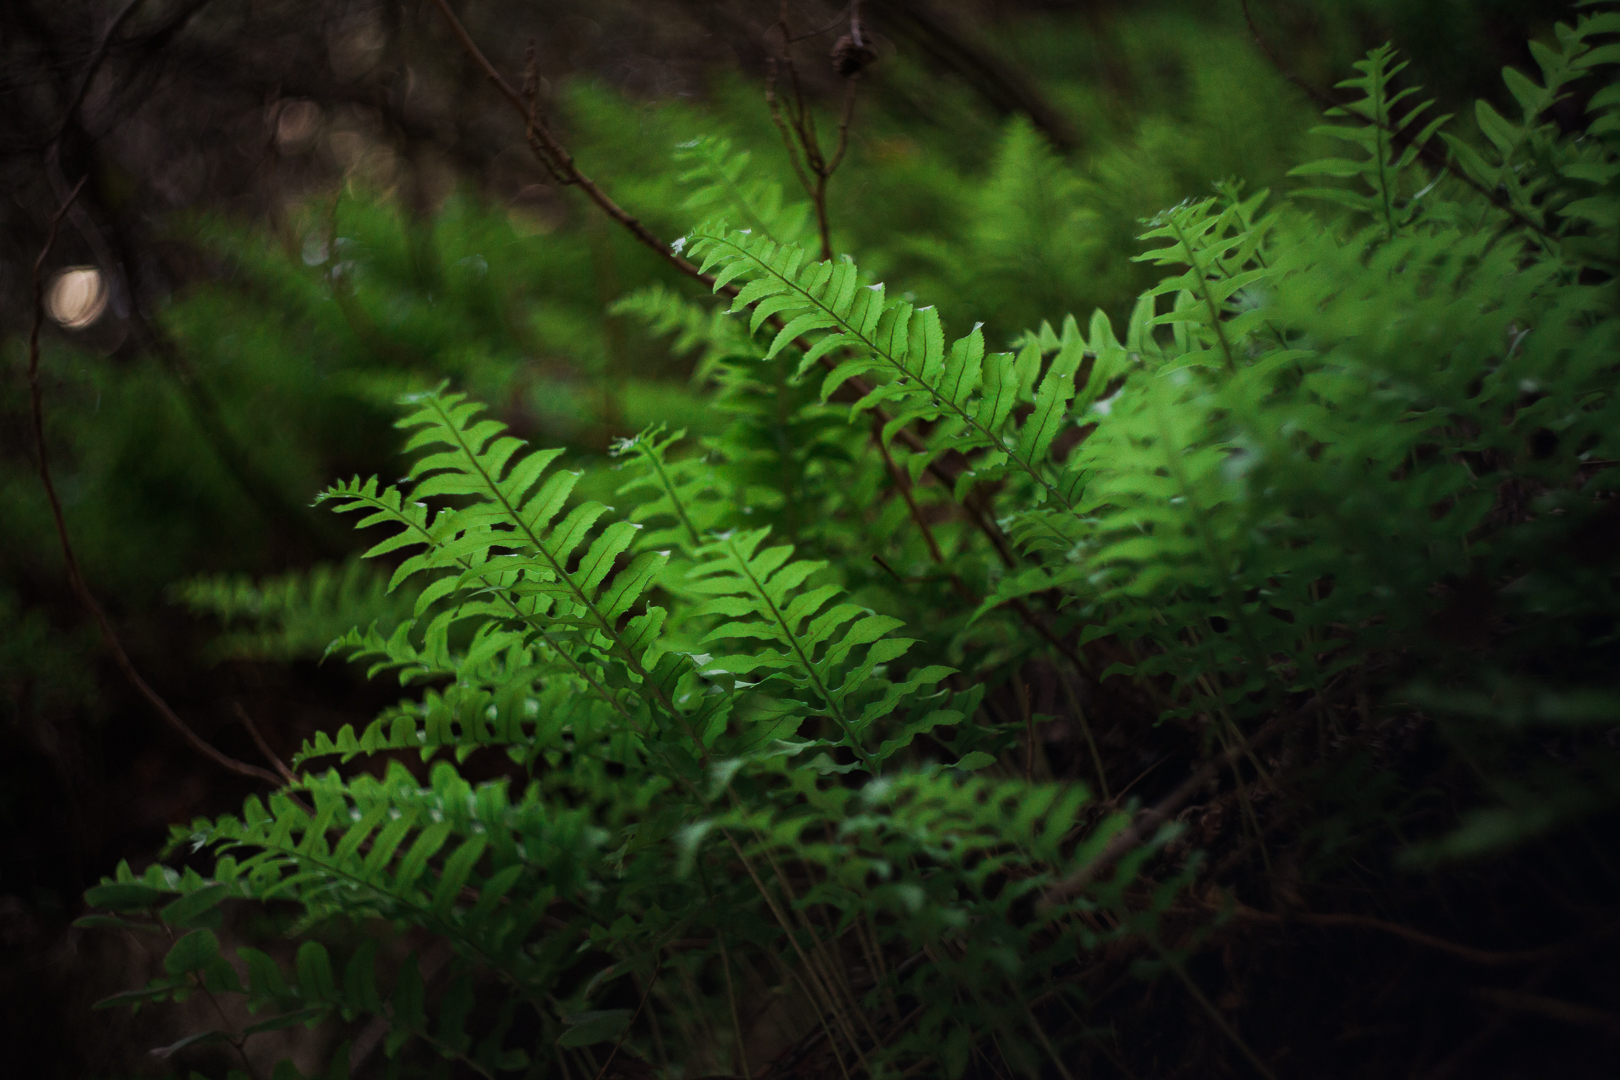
{"x": 1385, "y": 138}
{"x": 295, "y": 615}
{"x": 1317, "y": 443}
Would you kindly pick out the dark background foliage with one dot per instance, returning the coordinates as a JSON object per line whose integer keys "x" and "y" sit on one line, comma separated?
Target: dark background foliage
{"x": 193, "y": 421}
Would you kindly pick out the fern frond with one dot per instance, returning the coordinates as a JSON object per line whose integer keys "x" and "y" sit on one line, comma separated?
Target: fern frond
{"x": 725, "y": 185}
{"x": 294, "y": 615}
{"x": 1221, "y": 294}
{"x": 1386, "y": 117}
{"x": 762, "y": 595}
{"x": 686, "y": 492}
{"x": 967, "y": 393}
{"x": 506, "y": 557}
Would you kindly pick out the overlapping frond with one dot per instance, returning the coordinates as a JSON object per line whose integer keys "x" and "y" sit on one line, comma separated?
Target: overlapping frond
{"x": 514, "y": 565}
{"x": 721, "y": 182}
{"x": 967, "y": 395}
{"x": 1382, "y": 128}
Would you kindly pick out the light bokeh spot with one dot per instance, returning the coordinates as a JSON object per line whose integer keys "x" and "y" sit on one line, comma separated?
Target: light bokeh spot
{"x": 76, "y": 297}
{"x": 296, "y": 124}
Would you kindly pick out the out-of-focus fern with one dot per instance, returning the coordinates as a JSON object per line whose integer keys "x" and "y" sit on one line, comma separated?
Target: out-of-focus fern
{"x": 721, "y": 181}
{"x": 295, "y": 615}
{"x": 1381, "y": 128}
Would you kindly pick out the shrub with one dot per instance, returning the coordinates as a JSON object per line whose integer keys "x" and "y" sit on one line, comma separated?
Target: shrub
{"x": 768, "y": 780}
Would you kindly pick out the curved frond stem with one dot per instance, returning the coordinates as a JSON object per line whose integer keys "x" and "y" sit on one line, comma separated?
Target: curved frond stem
{"x": 1203, "y": 288}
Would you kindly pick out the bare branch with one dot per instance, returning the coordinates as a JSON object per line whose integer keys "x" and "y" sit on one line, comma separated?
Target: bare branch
{"x": 94, "y": 64}
{"x": 554, "y": 152}
{"x": 75, "y": 575}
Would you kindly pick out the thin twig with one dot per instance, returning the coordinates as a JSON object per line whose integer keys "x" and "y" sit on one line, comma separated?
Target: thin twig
{"x": 94, "y": 65}
{"x": 264, "y": 747}
{"x": 555, "y": 152}
{"x": 1486, "y": 957}
{"x": 845, "y": 118}
{"x": 235, "y": 1039}
{"x": 1208, "y": 1006}
{"x": 1051, "y": 1051}
{"x": 798, "y": 126}
{"x": 821, "y": 997}
{"x": 658, "y": 969}
{"x": 1148, "y": 822}
{"x": 75, "y": 575}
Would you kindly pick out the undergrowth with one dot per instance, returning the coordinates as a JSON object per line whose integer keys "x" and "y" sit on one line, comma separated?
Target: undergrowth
{"x": 730, "y": 758}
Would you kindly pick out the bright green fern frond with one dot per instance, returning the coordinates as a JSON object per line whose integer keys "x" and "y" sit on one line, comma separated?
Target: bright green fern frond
{"x": 967, "y": 393}
{"x": 505, "y": 558}
{"x": 1220, "y": 297}
{"x": 688, "y": 496}
{"x": 823, "y": 654}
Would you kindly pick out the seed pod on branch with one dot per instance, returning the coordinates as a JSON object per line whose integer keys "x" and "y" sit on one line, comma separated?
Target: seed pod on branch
{"x": 851, "y": 55}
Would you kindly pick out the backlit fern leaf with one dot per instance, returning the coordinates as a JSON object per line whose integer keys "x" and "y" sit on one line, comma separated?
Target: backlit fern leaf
{"x": 967, "y": 394}
{"x": 760, "y": 592}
